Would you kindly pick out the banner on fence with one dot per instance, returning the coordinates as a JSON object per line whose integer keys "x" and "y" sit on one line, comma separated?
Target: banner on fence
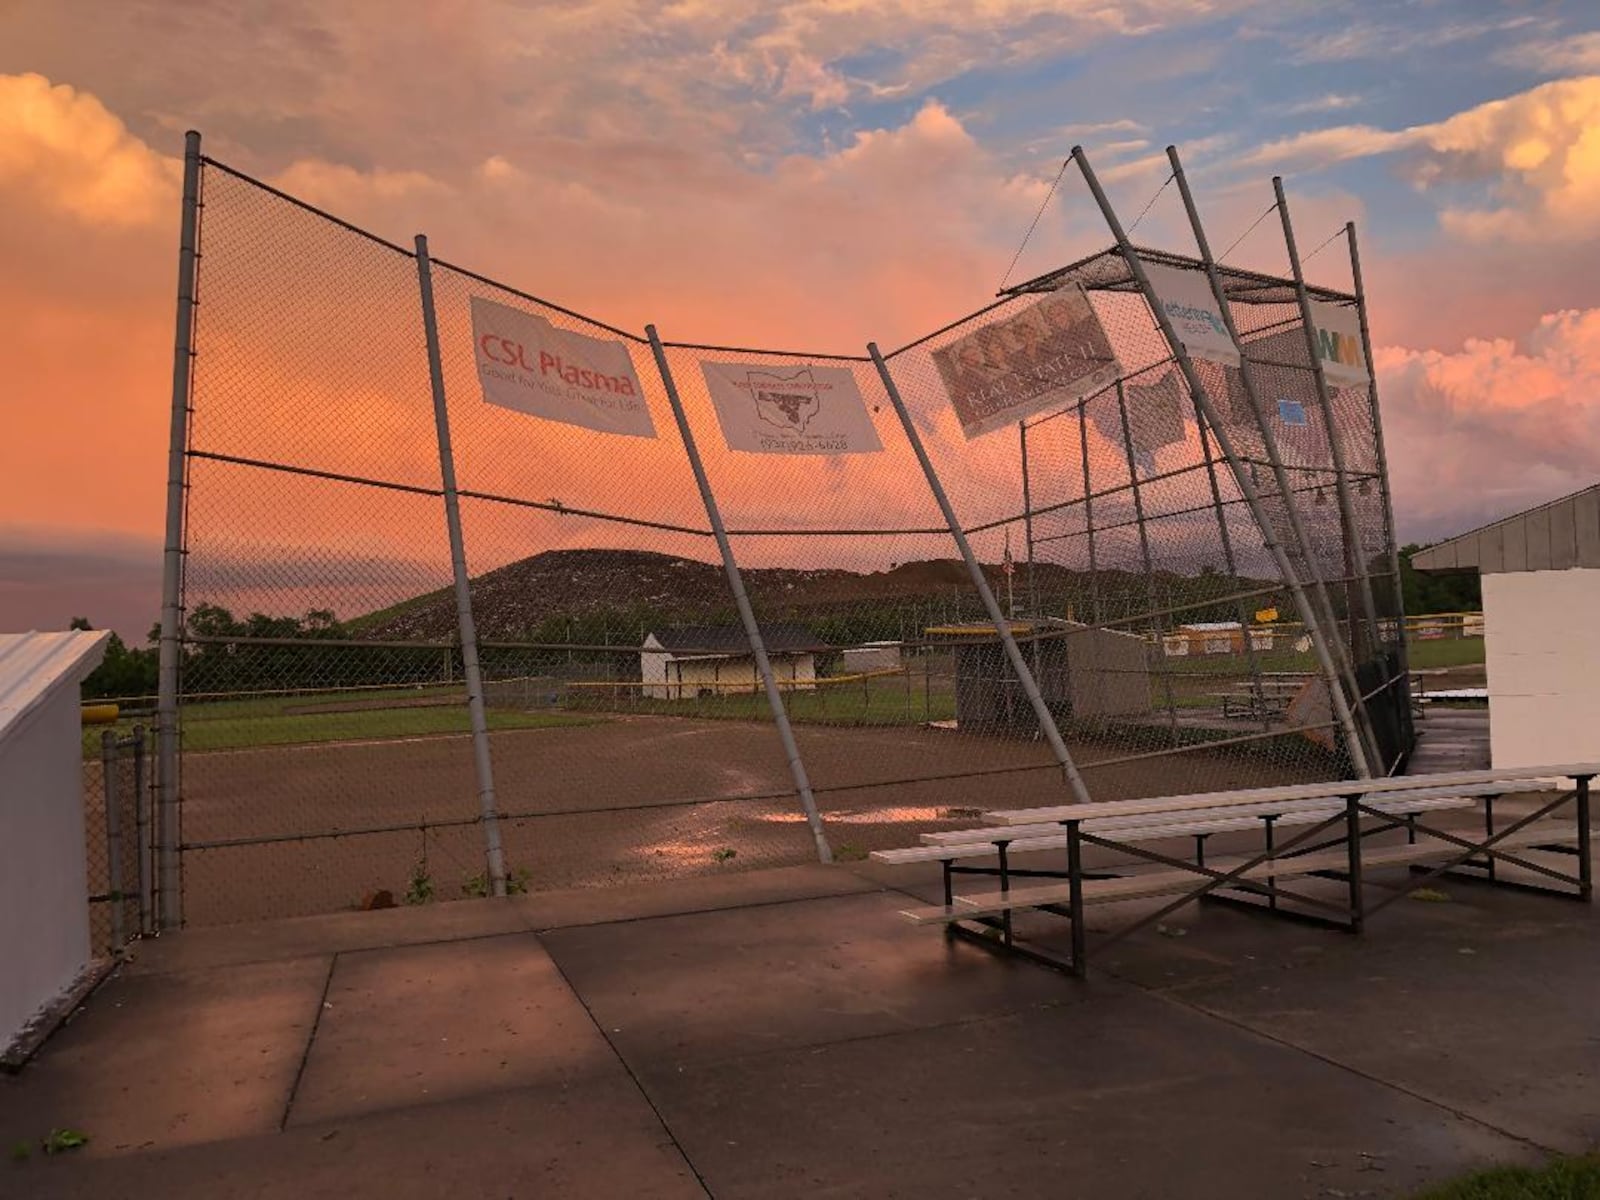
{"x": 1047, "y": 355}
{"x": 764, "y": 409}
{"x": 1338, "y": 327}
{"x": 1190, "y": 304}
{"x": 526, "y": 363}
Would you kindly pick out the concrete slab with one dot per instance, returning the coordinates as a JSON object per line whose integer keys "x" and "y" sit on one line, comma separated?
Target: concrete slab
{"x": 171, "y": 1060}
{"x": 425, "y": 1024}
{"x": 597, "y": 1140}
{"x": 706, "y": 893}
{"x": 332, "y": 933}
{"x": 695, "y": 989}
{"x": 1128, "y": 1097}
{"x": 1491, "y": 1013}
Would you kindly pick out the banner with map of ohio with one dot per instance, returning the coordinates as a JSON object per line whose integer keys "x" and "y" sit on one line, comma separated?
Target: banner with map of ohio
{"x": 1045, "y": 356}
{"x": 768, "y": 409}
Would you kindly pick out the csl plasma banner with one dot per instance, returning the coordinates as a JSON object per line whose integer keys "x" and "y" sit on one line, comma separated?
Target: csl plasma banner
{"x": 766, "y": 409}
{"x": 526, "y": 363}
{"x": 1045, "y": 356}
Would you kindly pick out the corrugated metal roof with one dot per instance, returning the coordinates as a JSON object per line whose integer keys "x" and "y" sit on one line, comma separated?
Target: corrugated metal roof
{"x": 1552, "y": 537}
{"x": 33, "y": 665}
{"x": 780, "y": 637}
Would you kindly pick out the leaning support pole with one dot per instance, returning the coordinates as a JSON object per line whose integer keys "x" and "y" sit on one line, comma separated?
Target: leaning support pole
{"x": 752, "y": 630}
{"x": 494, "y": 855}
{"x": 1151, "y": 604}
{"x": 1197, "y": 390}
{"x": 1333, "y": 648}
{"x": 171, "y": 649}
{"x": 1355, "y": 555}
{"x": 1002, "y": 626}
{"x": 1382, "y": 455}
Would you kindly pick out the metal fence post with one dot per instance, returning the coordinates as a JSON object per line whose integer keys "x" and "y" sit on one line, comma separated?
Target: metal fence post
{"x": 113, "y": 802}
{"x": 1337, "y": 651}
{"x": 741, "y": 599}
{"x": 1225, "y": 443}
{"x": 1355, "y": 554}
{"x": 1383, "y": 458}
{"x": 171, "y": 650}
{"x": 142, "y": 829}
{"x": 493, "y": 853}
{"x": 1150, "y": 600}
{"x": 1002, "y": 625}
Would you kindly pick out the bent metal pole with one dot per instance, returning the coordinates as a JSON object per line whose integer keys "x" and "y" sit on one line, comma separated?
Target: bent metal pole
{"x": 1354, "y": 552}
{"x": 741, "y": 599}
{"x": 494, "y": 854}
{"x": 1331, "y": 650}
{"x": 1377, "y": 445}
{"x": 171, "y": 648}
{"x": 1225, "y": 443}
{"x": 1002, "y": 626}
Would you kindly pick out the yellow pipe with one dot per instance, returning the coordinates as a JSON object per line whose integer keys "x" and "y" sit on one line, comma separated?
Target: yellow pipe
{"x": 100, "y": 714}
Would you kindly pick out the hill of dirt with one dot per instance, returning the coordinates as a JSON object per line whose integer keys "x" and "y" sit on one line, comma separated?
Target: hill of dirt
{"x": 541, "y": 597}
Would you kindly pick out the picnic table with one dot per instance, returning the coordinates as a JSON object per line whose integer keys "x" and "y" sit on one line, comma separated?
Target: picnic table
{"x": 1339, "y": 828}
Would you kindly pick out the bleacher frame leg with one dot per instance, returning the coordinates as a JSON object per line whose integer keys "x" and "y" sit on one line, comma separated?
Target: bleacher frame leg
{"x": 1075, "y": 894}
{"x": 1353, "y": 842}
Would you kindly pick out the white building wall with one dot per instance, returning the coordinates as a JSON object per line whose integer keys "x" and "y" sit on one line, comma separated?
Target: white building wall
{"x": 653, "y": 670}
{"x": 1542, "y": 645}
{"x": 44, "y": 916}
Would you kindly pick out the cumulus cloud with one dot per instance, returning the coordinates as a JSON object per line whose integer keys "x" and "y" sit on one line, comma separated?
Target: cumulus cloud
{"x": 1538, "y": 152}
{"x": 1494, "y": 426}
{"x": 64, "y": 149}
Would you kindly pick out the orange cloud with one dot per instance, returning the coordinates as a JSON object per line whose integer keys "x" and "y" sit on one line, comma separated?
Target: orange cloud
{"x": 1494, "y": 426}
{"x": 63, "y": 148}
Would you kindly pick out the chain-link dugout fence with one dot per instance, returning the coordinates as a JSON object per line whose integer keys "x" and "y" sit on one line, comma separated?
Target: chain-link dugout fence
{"x": 327, "y": 687}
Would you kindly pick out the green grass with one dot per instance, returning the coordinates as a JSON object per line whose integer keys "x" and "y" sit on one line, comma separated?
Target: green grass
{"x": 1564, "y": 1179}
{"x": 1446, "y": 652}
{"x": 256, "y": 721}
{"x": 882, "y": 701}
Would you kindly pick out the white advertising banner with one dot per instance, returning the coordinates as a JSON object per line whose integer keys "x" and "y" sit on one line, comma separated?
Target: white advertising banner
{"x": 1045, "y": 356}
{"x": 526, "y": 363}
{"x": 767, "y": 409}
{"x": 1191, "y": 306}
{"x": 1338, "y": 328}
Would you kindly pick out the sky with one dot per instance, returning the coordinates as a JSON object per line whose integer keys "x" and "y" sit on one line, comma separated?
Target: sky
{"x": 808, "y": 173}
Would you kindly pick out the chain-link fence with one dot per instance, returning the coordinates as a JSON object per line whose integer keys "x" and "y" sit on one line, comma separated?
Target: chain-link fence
{"x": 349, "y": 737}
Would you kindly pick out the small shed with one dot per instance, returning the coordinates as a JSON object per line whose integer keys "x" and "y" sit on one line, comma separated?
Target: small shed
{"x": 1082, "y": 671}
{"x": 871, "y": 656}
{"x": 716, "y": 660}
{"x": 1541, "y": 588}
{"x": 44, "y": 911}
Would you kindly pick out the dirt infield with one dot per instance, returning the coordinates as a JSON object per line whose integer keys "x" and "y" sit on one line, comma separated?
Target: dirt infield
{"x": 632, "y": 798}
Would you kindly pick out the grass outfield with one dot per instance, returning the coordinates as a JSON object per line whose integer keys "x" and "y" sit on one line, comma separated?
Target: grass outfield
{"x": 1446, "y": 652}
{"x": 300, "y": 719}
{"x": 1564, "y": 1179}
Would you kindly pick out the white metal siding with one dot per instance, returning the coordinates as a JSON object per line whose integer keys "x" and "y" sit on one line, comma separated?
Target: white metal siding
{"x": 1543, "y": 652}
{"x": 44, "y": 916}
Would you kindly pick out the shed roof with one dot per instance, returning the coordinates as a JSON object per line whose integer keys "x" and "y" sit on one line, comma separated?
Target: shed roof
{"x": 35, "y": 665}
{"x": 1552, "y": 537}
{"x": 780, "y": 637}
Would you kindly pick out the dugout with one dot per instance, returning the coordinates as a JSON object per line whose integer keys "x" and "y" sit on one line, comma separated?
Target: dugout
{"x": 1082, "y": 672}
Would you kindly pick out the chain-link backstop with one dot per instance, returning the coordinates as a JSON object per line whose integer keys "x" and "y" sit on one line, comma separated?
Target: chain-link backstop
{"x": 345, "y": 725}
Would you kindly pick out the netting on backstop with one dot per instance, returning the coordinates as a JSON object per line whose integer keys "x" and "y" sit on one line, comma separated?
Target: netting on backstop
{"x": 331, "y": 756}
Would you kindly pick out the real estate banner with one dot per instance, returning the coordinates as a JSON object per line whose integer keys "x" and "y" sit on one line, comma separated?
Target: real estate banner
{"x": 1045, "y": 356}
{"x": 1191, "y": 306}
{"x": 526, "y": 363}
{"x": 1339, "y": 346}
{"x": 767, "y": 409}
